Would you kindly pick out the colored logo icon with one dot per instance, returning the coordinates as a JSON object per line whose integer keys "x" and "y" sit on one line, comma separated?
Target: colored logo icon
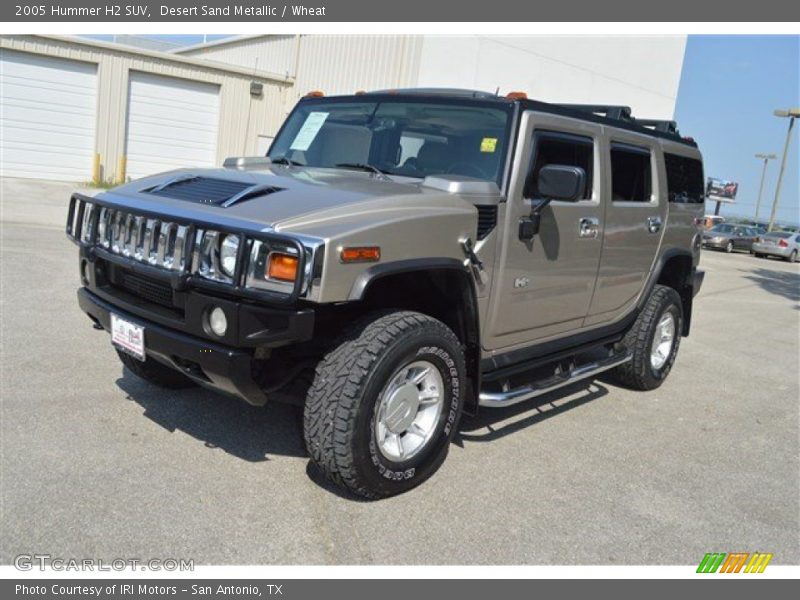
{"x": 737, "y": 562}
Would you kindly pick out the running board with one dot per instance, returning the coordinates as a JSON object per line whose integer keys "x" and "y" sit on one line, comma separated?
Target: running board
{"x": 548, "y": 384}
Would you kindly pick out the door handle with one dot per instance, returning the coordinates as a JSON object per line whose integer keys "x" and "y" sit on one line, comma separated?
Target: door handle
{"x": 588, "y": 227}
{"x": 653, "y": 224}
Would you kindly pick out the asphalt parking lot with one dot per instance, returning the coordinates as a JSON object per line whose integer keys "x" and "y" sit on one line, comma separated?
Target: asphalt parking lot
{"x": 96, "y": 463}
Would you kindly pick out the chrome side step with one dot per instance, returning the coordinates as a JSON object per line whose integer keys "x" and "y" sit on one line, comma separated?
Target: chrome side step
{"x": 548, "y": 384}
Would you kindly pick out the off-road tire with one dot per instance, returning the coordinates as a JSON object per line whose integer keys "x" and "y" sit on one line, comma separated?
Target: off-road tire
{"x": 339, "y": 413}
{"x": 638, "y": 373}
{"x": 154, "y": 372}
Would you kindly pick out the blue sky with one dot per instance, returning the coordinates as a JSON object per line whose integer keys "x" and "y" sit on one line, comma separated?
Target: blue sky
{"x": 729, "y": 87}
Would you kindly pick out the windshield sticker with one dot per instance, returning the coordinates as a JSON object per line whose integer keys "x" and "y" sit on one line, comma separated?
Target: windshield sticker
{"x": 488, "y": 144}
{"x": 308, "y": 132}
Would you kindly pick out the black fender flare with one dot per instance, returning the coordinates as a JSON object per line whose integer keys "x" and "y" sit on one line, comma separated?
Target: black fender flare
{"x": 472, "y": 343}
{"x": 689, "y": 283}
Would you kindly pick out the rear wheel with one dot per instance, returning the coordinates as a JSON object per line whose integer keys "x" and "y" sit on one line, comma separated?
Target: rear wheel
{"x": 759, "y": 255}
{"x": 653, "y": 340}
{"x": 385, "y": 404}
{"x": 153, "y": 371}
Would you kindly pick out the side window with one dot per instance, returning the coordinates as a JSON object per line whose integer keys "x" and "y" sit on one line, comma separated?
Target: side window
{"x": 684, "y": 179}
{"x": 554, "y": 148}
{"x": 631, "y": 176}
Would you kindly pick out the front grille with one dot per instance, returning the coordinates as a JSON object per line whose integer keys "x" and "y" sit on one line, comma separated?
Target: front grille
{"x": 151, "y": 241}
{"x": 151, "y": 290}
{"x": 487, "y": 219}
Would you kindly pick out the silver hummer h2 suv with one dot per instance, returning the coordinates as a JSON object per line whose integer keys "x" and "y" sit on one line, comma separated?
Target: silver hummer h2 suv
{"x": 399, "y": 258}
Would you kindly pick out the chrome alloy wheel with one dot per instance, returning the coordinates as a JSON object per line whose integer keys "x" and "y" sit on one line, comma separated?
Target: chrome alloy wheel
{"x": 408, "y": 410}
{"x": 663, "y": 340}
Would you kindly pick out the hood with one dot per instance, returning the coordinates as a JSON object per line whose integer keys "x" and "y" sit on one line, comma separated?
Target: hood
{"x": 268, "y": 197}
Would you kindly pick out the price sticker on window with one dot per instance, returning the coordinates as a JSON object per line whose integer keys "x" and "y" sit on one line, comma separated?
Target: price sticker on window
{"x": 308, "y": 132}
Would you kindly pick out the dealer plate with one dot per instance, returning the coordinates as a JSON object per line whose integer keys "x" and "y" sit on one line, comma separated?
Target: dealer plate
{"x": 127, "y": 336}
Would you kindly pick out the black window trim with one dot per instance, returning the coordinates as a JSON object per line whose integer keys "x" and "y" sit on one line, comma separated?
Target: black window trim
{"x": 564, "y": 136}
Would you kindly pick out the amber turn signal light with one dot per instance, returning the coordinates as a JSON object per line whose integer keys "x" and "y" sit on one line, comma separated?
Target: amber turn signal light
{"x": 360, "y": 254}
{"x": 282, "y": 267}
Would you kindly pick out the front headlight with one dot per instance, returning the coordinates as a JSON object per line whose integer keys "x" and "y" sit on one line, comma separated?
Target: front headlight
{"x": 228, "y": 253}
{"x": 215, "y": 255}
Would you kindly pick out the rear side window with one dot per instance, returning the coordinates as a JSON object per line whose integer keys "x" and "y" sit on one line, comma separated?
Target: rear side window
{"x": 631, "y": 175}
{"x": 684, "y": 179}
{"x": 553, "y": 148}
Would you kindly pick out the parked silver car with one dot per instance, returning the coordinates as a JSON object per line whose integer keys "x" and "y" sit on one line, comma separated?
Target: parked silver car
{"x": 784, "y": 244}
{"x": 729, "y": 237}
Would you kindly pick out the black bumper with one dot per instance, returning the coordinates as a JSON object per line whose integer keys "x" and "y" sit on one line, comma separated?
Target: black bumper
{"x": 223, "y": 368}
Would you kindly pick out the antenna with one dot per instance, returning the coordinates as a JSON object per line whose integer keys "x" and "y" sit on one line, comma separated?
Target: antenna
{"x": 497, "y": 91}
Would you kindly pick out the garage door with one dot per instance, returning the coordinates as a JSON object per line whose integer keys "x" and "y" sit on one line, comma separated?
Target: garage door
{"x": 172, "y": 123}
{"x": 47, "y": 117}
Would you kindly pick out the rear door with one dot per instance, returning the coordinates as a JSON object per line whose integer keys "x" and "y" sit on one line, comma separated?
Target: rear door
{"x": 635, "y": 219}
{"x": 543, "y": 288}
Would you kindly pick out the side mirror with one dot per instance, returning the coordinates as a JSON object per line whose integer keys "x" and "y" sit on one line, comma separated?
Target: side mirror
{"x": 561, "y": 182}
{"x": 554, "y": 182}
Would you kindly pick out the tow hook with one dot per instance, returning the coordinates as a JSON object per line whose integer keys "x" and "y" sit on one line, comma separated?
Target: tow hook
{"x": 473, "y": 261}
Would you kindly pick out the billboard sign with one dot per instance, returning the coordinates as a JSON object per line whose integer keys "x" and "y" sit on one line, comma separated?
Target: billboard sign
{"x": 721, "y": 190}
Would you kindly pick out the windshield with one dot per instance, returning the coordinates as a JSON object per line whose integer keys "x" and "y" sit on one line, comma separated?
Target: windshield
{"x": 398, "y": 137}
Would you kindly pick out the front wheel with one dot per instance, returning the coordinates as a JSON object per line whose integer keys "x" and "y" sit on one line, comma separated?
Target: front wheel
{"x": 729, "y": 247}
{"x": 653, "y": 340}
{"x": 385, "y": 404}
{"x": 792, "y": 258}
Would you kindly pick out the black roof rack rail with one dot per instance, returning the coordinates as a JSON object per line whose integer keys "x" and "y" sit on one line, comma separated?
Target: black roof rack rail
{"x": 658, "y": 125}
{"x": 609, "y": 111}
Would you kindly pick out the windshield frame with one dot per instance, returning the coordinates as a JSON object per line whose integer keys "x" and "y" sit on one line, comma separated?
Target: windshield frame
{"x": 511, "y": 108}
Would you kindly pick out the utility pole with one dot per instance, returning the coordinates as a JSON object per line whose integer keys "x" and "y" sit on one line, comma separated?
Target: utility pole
{"x": 791, "y": 114}
{"x": 766, "y": 158}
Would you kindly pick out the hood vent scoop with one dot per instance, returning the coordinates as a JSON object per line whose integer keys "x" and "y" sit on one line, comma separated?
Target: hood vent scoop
{"x": 210, "y": 190}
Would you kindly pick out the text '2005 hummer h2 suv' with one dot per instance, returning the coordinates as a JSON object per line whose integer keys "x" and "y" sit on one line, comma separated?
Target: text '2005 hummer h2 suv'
{"x": 399, "y": 258}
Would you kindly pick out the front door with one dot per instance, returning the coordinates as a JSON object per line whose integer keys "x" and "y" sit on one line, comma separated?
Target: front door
{"x": 543, "y": 288}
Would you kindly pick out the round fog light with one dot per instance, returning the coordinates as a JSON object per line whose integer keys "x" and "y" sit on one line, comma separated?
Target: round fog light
{"x": 217, "y": 321}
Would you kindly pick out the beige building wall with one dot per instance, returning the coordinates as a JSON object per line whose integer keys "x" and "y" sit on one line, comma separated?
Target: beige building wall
{"x": 334, "y": 64}
{"x": 242, "y": 116}
{"x": 640, "y": 71}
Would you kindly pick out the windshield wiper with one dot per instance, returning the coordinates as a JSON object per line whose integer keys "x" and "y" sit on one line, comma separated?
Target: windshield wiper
{"x": 285, "y": 160}
{"x": 364, "y": 167}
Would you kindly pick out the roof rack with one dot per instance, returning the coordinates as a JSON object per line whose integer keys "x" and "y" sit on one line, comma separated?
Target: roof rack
{"x": 665, "y": 126}
{"x": 610, "y": 111}
{"x": 623, "y": 113}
